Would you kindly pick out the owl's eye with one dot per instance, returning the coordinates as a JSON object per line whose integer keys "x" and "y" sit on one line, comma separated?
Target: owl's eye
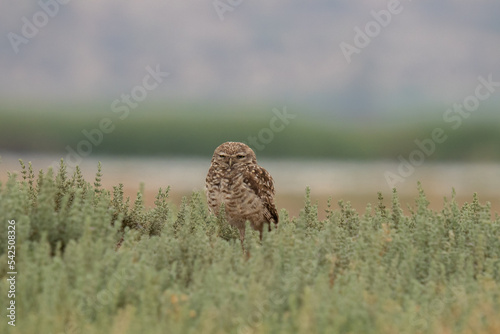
{"x": 222, "y": 155}
{"x": 240, "y": 156}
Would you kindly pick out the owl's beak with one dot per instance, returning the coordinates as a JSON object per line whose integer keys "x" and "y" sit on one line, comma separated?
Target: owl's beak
{"x": 230, "y": 162}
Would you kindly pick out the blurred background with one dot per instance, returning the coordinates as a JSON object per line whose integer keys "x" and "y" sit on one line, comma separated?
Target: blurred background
{"x": 340, "y": 96}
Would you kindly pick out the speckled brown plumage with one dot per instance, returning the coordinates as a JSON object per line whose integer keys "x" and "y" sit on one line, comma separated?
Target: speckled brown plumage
{"x": 246, "y": 189}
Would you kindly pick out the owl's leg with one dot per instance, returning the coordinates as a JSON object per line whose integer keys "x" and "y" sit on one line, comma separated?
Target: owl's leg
{"x": 260, "y": 232}
{"x": 242, "y": 233}
{"x": 246, "y": 253}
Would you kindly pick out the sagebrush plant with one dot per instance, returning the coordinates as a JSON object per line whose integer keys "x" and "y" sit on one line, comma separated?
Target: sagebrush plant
{"x": 90, "y": 261}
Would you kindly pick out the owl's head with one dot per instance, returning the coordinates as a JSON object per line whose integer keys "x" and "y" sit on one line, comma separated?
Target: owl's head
{"x": 233, "y": 155}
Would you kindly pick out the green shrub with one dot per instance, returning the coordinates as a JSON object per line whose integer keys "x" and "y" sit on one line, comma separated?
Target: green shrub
{"x": 184, "y": 271}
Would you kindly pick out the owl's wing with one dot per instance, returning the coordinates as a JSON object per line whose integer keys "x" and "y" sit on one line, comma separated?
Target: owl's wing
{"x": 261, "y": 182}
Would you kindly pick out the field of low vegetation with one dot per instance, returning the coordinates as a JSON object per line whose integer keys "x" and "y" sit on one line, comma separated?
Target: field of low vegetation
{"x": 89, "y": 260}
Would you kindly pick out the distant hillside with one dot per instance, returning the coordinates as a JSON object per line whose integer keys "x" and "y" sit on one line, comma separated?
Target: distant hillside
{"x": 191, "y": 130}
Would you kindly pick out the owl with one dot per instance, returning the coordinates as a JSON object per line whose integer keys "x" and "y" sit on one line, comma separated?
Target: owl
{"x": 246, "y": 189}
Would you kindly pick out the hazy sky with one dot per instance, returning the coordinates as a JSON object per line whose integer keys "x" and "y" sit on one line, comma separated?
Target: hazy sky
{"x": 419, "y": 52}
